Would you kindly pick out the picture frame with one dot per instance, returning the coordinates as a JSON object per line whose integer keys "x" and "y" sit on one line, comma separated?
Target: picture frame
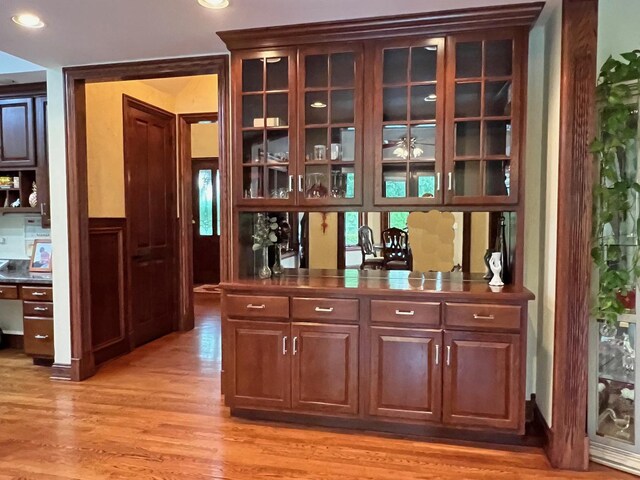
{"x": 41, "y": 258}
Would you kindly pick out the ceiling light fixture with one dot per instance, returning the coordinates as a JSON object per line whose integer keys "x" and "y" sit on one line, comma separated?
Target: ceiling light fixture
{"x": 430, "y": 98}
{"x": 318, "y": 105}
{"x": 431, "y": 48}
{"x": 28, "y": 20}
{"x": 214, "y": 3}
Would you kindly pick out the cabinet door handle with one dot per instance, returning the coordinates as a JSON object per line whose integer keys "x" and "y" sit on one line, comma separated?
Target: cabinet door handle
{"x": 408, "y": 313}
{"x": 1, "y": 292}
{"x": 448, "y": 355}
{"x": 284, "y": 345}
{"x": 38, "y": 294}
{"x": 438, "y": 181}
{"x": 300, "y": 189}
{"x": 41, "y": 337}
{"x": 251, "y": 306}
{"x": 483, "y": 317}
{"x": 295, "y": 345}
{"x": 437, "y": 354}
{"x": 291, "y": 183}
{"x": 41, "y": 309}
{"x": 450, "y": 181}
{"x": 324, "y": 310}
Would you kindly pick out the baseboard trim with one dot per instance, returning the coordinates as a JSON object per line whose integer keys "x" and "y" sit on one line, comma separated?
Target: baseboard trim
{"x": 540, "y": 425}
{"x": 60, "y": 371}
{"x": 615, "y": 458}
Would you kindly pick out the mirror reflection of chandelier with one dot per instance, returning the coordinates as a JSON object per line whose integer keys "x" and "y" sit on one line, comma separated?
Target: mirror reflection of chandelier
{"x": 403, "y": 148}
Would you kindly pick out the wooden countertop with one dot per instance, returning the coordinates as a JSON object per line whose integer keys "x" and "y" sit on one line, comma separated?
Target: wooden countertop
{"x": 375, "y": 282}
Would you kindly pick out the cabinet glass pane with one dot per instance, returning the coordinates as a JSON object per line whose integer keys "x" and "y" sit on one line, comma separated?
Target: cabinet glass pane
{"x": 277, "y": 73}
{"x": 343, "y": 71}
{"x": 343, "y": 144}
{"x": 394, "y": 181}
{"x": 252, "y": 182}
{"x": 497, "y": 178}
{"x": 469, "y": 60}
{"x": 315, "y": 144}
{"x": 497, "y": 98}
{"x": 423, "y": 141}
{"x": 394, "y": 104}
{"x": 205, "y": 202}
{"x": 342, "y": 107}
{"x": 422, "y": 180}
{"x": 468, "y": 100}
{"x": 252, "y": 71}
{"x": 316, "y": 181}
{"x": 616, "y": 381}
{"x": 342, "y": 181}
{"x": 277, "y": 110}
{"x": 396, "y": 63}
{"x": 466, "y": 179}
{"x": 498, "y": 58}
{"x": 278, "y": 178}
{"x": 497, "y": 138}
{"x": 467, "y": 139}
{"x": 424, "y": 61}
{"x": 394, "y": 142}
{"x": 277, "y": 146}
{"x": 252, "y": 113}
{"x": 315, "y": 108}
{"x": 316, "y": 71}
{"x": 423, "y": 102}
{"x": 252, "y": 147}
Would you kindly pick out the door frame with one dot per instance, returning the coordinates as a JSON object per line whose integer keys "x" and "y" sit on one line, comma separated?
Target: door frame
{"x": 75, "y": 78}
{"x": 185, "y": 210}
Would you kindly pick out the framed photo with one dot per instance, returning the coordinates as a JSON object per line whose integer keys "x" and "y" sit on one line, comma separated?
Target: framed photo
{"x": 41, "y": 257}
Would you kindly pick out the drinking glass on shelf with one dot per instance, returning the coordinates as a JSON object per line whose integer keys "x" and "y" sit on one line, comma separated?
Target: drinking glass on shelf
{"x": 336, "y": 151}
{"x": 315, "y": 187}
{"x": 319, "y": 152}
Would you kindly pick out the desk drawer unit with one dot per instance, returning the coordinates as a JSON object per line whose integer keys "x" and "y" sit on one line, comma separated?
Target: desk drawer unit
{"x": 37, "y": 294}
{"x": 328, "y": 309}
{"x": 478, "y": 316}
{"x": 258, "y": 306}
{"x": 418, "y": 313}
{"x": 38, "y": 309}
{"x": 8, "y": 292}
{"x": 38, "y": 337}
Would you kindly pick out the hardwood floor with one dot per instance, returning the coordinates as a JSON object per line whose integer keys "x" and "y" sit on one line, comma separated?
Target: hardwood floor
{"x": 157, "y": 414}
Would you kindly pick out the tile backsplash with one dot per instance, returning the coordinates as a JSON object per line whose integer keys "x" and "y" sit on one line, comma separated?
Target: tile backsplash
{"x": 17, "y": 233}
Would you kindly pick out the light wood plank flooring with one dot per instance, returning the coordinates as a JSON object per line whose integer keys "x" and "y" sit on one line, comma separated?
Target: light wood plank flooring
{"x": 157, "y": 414}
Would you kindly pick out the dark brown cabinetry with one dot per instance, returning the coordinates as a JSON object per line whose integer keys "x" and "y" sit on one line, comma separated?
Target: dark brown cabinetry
{"x": 17, "y": 133}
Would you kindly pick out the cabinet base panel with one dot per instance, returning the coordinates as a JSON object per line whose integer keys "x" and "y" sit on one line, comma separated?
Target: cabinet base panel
{"x": 415, "y": 431}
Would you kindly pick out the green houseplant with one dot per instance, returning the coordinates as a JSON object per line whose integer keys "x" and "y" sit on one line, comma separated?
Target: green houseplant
{"x": 615, "y": 227}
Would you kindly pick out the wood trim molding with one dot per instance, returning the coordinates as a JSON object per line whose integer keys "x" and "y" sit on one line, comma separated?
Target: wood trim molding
{"x": 60, "y": 371}
{"x": 23, "y": 89}
{"x": 429, "y": 24}
{"x": 82, "y": 360}
{"x": 569, "y": 443}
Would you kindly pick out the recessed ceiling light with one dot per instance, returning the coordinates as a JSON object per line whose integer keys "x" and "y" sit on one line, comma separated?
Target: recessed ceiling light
{"x": 28, "y": 20}
{"x": 431, "y": 48}
{"x": 430, "y": 98}
{"x": 272, "y": 59}
{"x": 214, "y": 3}
{"x": 318, "y": 105}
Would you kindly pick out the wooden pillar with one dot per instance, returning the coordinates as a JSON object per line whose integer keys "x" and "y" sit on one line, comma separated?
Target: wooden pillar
{"x": 568, "y": 445}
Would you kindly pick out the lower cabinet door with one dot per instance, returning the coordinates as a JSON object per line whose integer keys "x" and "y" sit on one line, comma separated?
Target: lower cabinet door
{"x": 482, "y": 380}
{"x": 325, "y": 368}
{"x": 260, "y": 365}
{"x": 406, "y": 373}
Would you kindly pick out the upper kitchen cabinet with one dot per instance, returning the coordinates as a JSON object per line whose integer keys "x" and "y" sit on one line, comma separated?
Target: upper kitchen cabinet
{"x": 17, "y": 136}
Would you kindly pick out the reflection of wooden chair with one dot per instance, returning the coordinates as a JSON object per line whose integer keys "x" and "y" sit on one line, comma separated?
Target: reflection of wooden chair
{"x": 365, "y": 240}
{"x": 395, "y": 250}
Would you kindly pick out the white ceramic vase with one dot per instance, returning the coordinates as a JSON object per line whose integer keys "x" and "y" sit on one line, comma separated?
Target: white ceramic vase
{"x": 495, "y": 263}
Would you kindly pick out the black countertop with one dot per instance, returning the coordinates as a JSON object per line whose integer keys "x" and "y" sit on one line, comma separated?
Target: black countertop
{"x": 17, "y": 272}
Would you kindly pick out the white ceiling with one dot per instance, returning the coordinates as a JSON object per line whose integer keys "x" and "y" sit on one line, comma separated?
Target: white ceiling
{"x": 81, "y": 32}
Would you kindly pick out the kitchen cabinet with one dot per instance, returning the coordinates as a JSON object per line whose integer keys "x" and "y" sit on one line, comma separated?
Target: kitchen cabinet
{"x": 17, "y": 133}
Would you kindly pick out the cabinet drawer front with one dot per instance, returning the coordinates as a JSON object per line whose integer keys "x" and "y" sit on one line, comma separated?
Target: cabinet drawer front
{"x": 325, "y": 309}
{"x": 482, "y": 317}
{"x": 38, "y": 337}
{"x": 38, "y": 309}
{"x": 383, "y": 311}
{"x": 256, "y": 306}
{"x": 8, "y": 292}
{"x": 39, "y": 294}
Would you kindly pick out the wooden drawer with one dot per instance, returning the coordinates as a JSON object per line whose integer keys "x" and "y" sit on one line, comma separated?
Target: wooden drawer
{"x": 476, "y": 316}
{"x": 421, "y": 313}
{"x": 8, "y": 292}
{"x": 38, "y": 337}
{"x": 38, "y": 309}
{"x": 345, "y": 310}
{"x": 256, "y": 306}
{"x": 38, "y": 294}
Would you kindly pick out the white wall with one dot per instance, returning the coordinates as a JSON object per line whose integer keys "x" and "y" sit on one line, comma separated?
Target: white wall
{"x": 618, "y": 29}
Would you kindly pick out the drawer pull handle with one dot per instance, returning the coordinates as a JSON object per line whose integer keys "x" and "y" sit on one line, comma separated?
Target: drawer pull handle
{"x": 38, "y": 294}
{"x": 256, "y": 307}
{"x": 483, "y": 317}
{"x": 448, "y": 355}
{"x": 295, "y": 345}
{"x": 41, "y": 337}
{"x": 284, "y": 345}
{"x": 437, "y": 354}
{"x": 408, "y": 313}
{"x": 41, "y": 309}
{"x": 324, "y": 310}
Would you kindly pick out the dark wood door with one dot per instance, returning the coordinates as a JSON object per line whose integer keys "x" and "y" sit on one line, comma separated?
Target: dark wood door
{"x": 259, "y": 364}
{"x": 406, "y": 373}
{"x": 17, "y": 141}
{"x": 325, "y": 367}
{"x": 42, "y": 153}
{"x": 482, "y": 380}
{"x": 150, "y": 169}
{"x": 206, "y": 234}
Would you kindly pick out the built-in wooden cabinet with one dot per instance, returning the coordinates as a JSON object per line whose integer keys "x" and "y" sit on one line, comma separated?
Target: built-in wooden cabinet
{"x": 17, "y": 133}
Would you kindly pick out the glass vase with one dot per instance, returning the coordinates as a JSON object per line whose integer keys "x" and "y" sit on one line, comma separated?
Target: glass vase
{"x": 265, "y": 271}
{"x": 277, "y": 266}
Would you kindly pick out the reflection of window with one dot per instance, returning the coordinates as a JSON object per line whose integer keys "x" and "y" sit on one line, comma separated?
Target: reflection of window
{"x": 218, "y": 202}
{"x": 398, "y": 220}
{"x": 205, "y": 200}
{"x": 426, "y": 186}
{"x": 351, "y": 226}
{"x": 351, "y": 185}
{"x": 395, "y": 188}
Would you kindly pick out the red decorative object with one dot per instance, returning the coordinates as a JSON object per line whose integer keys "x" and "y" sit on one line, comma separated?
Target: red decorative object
{"x": 628, "y": 300}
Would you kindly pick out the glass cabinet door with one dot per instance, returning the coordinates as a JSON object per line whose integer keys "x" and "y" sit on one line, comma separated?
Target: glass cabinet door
{"x": 410, "y": 114}
{"x": 264, "y": 114}
{"x": 330, "y": 110}
{"x": 482, "y": 119}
